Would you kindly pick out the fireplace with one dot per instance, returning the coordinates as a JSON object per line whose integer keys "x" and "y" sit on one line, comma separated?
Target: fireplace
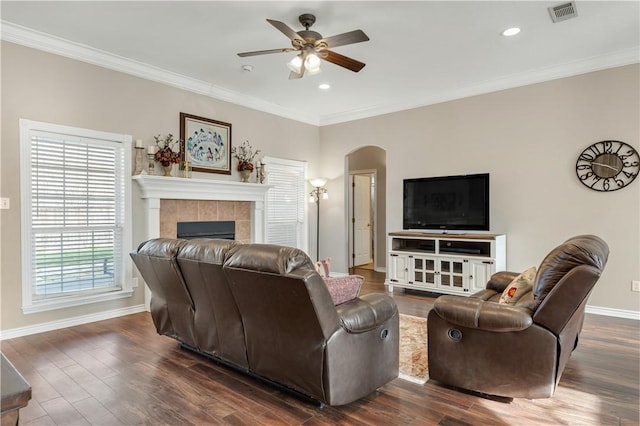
{"x": 223, "y": 229}
{"x": 193, "y": 200}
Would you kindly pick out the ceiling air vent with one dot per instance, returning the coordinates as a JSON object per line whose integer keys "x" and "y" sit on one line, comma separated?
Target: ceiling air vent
{"x": 563, "y": 11}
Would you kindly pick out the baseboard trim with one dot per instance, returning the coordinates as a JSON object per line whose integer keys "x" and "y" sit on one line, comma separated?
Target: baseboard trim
{"x": 70, "y": 322}
{"x": 612, "y": 312}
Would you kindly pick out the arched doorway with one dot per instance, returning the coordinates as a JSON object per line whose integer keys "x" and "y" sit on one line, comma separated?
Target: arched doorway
{"x": 366, "y": 207}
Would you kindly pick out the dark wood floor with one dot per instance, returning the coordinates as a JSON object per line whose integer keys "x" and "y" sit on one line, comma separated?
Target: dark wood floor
{"x": 120, "y": 371}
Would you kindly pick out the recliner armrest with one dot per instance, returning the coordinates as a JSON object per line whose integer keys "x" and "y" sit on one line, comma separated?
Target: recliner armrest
{"x": 483, "y": 315}
{"x": 366, "y": 312}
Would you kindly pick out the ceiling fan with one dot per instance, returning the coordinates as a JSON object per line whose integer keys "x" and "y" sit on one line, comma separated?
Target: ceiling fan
{"x": 313, "y": 47}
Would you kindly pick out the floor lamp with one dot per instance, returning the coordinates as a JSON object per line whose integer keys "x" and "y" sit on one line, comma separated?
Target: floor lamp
{"x": 318, "y": 192}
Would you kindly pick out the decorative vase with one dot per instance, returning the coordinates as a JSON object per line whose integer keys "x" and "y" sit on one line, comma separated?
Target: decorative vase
{"x": 244, "y": 175}
{"x": 167, "y": 169}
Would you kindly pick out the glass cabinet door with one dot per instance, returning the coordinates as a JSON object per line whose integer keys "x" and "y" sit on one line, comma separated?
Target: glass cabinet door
{"x": 451, "y": 274}
{"x": 424, "y": 271}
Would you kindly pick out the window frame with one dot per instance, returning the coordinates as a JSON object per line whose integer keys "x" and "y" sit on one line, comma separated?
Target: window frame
{"x": 303, "y": 232}
{"x": 30, "y": 303}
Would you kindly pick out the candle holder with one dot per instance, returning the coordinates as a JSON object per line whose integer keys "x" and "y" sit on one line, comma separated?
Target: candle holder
{"x": 151, "y": 164}
{"x": 186, "y": 169}
{"x": 138, "y": 169}
{"x": 260, "y": 172}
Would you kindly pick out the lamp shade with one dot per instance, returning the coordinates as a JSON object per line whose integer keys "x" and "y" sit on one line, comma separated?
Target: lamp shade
{"x": 318, "y": 182}
{"x": 312, "y": 64}
{"x": 295, "y": 64}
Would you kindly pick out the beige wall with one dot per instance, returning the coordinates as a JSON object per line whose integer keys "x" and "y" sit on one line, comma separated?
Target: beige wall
{"x": 528, "y": 139}
{"x": 45, "y": 87}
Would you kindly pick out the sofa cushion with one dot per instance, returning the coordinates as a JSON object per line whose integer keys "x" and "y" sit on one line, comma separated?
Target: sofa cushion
{"x": 343, "y": 289}
{"x": 521, "y": 285}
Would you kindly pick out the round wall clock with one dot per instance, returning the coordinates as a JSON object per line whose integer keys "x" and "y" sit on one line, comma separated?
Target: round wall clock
{"x": 608, "y": 165}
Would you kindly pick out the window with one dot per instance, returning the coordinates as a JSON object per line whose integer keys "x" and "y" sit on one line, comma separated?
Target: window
{"x": 75, "y": 215}
{"x": 286, "y": 202}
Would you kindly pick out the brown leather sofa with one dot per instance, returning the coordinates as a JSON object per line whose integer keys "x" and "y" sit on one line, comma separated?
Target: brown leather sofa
{"x": 520, "y": 350}
{"x": 264, "y": 310}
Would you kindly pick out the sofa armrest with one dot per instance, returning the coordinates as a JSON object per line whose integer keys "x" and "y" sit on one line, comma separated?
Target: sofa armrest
{"x": 366, "y": 312}
{"x": 483, "y": 315}
{"x": 500, "y": 280}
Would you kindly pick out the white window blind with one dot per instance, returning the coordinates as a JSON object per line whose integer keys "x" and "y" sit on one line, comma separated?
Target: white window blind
{"x": 76, "y": 207}
{"x": 286, "y": 202}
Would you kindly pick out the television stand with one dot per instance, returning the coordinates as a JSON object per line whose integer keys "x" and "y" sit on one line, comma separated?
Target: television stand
{"x": 443, "y": 263}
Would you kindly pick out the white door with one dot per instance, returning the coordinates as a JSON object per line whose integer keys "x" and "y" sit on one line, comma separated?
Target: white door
{"x": 362, "y": 223}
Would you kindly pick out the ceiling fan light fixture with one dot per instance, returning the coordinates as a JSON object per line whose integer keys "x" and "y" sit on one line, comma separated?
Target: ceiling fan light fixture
{"x": 312, "y": 64}
{"x": 295, "y": 64}
{"x": 312, "y": 61}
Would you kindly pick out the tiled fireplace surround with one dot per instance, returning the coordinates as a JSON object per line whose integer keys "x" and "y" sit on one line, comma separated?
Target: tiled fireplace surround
{"x": 174, "y": 211}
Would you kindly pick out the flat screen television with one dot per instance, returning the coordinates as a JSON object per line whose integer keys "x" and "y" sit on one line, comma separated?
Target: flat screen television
{"x": 447, "y": 203}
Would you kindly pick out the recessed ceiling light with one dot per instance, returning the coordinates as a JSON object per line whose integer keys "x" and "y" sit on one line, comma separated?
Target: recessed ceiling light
{"x": 324, "y": 86}
{"x": 511, "y": 31}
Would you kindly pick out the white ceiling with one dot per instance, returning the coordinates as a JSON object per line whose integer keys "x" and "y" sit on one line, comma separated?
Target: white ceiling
{"x": 419, "y": 53}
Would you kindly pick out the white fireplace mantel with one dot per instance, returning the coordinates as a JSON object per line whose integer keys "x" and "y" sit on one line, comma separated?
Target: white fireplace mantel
{"x": 155, "y": 188}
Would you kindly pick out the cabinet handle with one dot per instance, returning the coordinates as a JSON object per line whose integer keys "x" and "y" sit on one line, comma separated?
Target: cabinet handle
{"x": 470, "y": 277}
{"x": 488, "y": 262}
{"x": 393, "y": 255}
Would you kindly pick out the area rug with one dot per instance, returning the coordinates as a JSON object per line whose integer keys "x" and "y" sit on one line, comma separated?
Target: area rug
{"x": 413, "y": 349}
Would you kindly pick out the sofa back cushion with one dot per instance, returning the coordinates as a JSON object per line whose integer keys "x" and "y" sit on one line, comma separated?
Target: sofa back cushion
{"x": 564, "y": 281}
{"x": 217, "y": 323}
{"x": 287, "y": 313}
{"x": 172, "y": 306}
{"x": 581, "y": 250}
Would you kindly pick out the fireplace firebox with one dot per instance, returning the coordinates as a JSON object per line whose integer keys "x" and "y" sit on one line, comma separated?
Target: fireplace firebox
{"x": 222, "y": 229}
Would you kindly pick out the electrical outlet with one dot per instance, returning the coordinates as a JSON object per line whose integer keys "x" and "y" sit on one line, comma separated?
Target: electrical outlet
{"x": 635, "y": 285}
{"x": 4, "y": 203}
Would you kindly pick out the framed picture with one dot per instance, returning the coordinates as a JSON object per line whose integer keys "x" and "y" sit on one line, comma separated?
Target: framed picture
{"x": 206, "y": 144}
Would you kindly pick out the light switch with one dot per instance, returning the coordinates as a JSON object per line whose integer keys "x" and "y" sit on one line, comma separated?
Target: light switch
{"x": 4, "y": 203}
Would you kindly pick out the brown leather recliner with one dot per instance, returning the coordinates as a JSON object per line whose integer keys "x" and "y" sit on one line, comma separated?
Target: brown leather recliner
{"x": 521, "y": 350}
{"x": 264, "y": 310}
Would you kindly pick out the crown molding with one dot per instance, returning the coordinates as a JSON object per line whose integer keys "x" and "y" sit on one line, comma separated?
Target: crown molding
{"x": 567, "y": 69}
{"x": 48, "y": 43}
{"x": 38, "y": 40}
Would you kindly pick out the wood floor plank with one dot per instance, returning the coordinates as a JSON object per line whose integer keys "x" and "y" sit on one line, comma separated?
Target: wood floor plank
{"x": 63, "y": 413}
{"x": 96, "y": 413}
{"x": 120, "y": 371}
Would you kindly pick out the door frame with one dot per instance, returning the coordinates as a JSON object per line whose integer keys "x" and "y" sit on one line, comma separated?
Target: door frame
{"x": 373, "y": 173}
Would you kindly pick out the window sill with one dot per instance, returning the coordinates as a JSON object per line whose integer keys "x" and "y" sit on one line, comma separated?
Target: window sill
{"x": 67, "y": 302}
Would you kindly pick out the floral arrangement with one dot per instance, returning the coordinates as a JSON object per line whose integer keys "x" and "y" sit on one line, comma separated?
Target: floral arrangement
{"x": 245, "y": 155}
{"x": 168, "y": 151}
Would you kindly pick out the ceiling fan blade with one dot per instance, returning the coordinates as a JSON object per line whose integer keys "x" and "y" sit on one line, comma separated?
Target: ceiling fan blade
{"x": 341, "y": 60}
{"x": 294, "y": 75}
{"x": 265, "y": 52}
{"x": 285, "y": 29}
{"x": 356, "y": 36}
